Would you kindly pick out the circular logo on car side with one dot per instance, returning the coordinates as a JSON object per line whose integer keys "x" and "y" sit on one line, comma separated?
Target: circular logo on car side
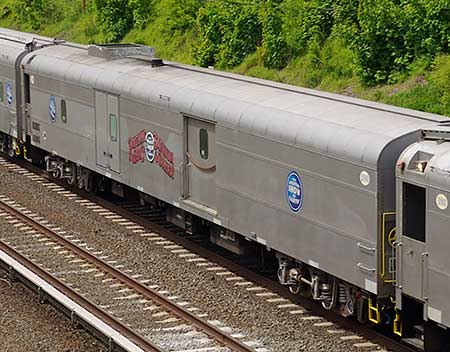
{"x": 294, "y": 191}
{"x": 9, "y": 93}
{"x": 441, "y": 201}
{"x": 364, "y": 178}
{"x": 150, "y": 147}
{"x": 52, "y": 108}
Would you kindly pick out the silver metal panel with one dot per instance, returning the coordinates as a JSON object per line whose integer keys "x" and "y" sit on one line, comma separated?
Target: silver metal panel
{"x": 438, "y": 308}
{"x": 436, "y": 278}
{"x": 136, "y": 121}
{"x": 338, "y": 213}
{"x": 414, "y": 268}
{"x": 74, "y": 139}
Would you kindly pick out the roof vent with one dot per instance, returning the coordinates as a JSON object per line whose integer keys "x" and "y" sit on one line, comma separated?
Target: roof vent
{"x": 121, "y": 51}
{"x": 440, "y": 133}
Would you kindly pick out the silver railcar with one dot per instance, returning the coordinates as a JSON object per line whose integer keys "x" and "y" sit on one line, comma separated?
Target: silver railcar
{"x": 423, "y": 218}
{"x": 306, "y": 174}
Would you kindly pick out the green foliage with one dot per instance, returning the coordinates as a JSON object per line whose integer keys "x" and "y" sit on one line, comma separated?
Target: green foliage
{"x": 427, "y": 26}
{"x": 380, "y": 41}
{"x": 141, "y": 10}
{"x": 5, "y": 10}
{"x": 307, "y": 21}
{"x": 353, "y": 47}
{"x": 38, "y": 12}
{"x": 274, "y": 46}
{"x": 182, "y": 15}
{"x": 395, "y": 33}
{"x": 211, "y": 24}
{"x": 115, "y": 18}
{"x": 345, "y": 20}
{"x": 228, "y": 32}
{"x": 429, "y": 92}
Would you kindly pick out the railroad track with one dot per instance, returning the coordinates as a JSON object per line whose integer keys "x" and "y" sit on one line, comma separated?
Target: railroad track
{"x": 154, "y": 221}
{"x": 107, "y": 288}
{"x": 174, "y": 239}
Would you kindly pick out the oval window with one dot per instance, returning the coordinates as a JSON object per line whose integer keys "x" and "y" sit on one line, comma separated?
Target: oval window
{"x": 204, "y": 143}
{"x": 63, "y": 111}
{"x": 113, "y": 127}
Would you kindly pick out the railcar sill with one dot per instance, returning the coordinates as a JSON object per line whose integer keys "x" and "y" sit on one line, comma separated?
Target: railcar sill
{"x": 200, "y": 206}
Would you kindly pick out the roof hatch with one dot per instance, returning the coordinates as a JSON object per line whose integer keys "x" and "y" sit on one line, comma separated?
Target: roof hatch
{"x": 120, "y": 51}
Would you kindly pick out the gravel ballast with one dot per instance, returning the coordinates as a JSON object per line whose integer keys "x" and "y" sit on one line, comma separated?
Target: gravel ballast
{"x": 233, "y": 305}
{"x": 27, "y": 325}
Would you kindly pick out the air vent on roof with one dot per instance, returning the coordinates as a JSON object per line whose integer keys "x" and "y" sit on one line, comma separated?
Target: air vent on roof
{"x": 120, "y": 51}
{"x": 440, "y": 132}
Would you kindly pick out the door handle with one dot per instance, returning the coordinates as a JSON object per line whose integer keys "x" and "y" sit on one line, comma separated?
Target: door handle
{"x": 365, "y": 268}
{"x": 366, "y": 248}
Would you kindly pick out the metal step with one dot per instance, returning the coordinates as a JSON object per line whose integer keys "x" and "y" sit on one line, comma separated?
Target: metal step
{"x": 414, "y": 342}
{"x": 418, "y": 330}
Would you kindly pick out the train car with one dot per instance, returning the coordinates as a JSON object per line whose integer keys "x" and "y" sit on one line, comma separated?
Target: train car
{"x": 12, "y": 51}
{"x": 423, "y": 218}
{"x": 309, "y": 176}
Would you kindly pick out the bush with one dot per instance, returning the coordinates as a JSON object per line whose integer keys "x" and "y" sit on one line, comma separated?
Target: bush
{"x": 228, "y": 32}
{"x": 306, "y": 21}
{"x": 274, "y": 47}
{"x": 380, "y": 45}
{"x": 142, "y": 12}
{"x": 395, "y": 33}
{"x": 38, "y": 13}
{"x": 182, "y": 15}
{"x": 115, "y": 18}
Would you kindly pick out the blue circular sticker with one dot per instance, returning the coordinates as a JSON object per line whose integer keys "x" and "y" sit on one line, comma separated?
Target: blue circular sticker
{"x": 52, "y": 109}
{"x": 9, "y": 93}
{"x": 150, "y": 147}
{"x": 294, "y": 191}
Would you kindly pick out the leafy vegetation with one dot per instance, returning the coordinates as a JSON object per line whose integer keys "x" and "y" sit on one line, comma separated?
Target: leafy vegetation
{"x": 395, "y": 51}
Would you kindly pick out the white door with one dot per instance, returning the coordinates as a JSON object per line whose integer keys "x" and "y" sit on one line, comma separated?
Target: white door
{"x": 201, "y": 155}
{"x": 107, "y": 130}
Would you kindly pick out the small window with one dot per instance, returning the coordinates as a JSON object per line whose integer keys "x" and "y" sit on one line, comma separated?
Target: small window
{"x": 63, "y": 111}
{"x": 1, "y": 92}
{"x": 203, "y": 143}
{"x": 113, "y": 127}
{"x": 414, "y": 211}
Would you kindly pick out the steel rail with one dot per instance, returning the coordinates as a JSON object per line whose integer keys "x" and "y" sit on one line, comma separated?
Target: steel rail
{"x": 116, "y": 325}
{"x": 140, "y": 288}
{"x": 366, "y": 331}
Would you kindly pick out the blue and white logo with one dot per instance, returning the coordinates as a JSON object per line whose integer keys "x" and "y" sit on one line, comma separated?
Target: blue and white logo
{"x": 294, "y": 191}
{"x": 150, "y": 151}
{"x": 52, "y": 109}
{"x": 9, "y": 93}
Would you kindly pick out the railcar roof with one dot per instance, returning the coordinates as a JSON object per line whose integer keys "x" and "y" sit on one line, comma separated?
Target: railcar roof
{"x": 348, "y": 128}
